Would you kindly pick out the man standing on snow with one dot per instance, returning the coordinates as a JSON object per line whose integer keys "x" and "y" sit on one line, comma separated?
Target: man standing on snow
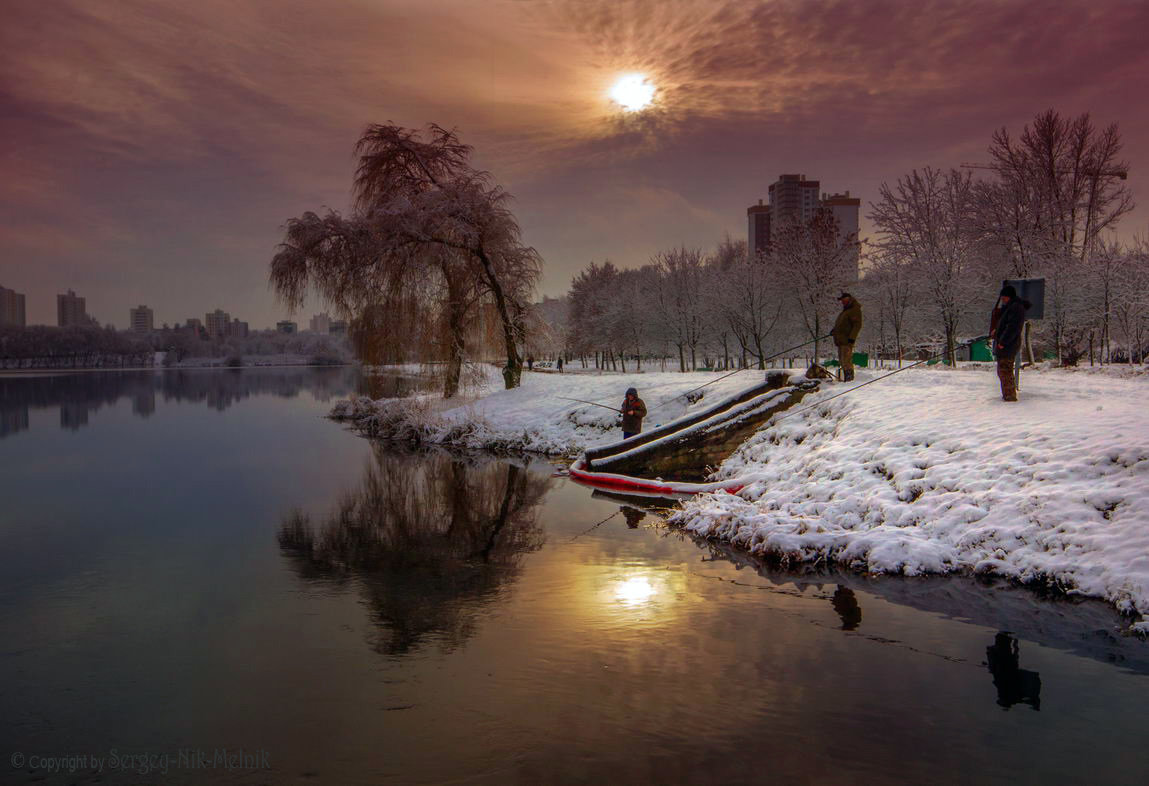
{"x": 633, "y": 411}
{"x": 845, "y": 333}
{"x": 1007, "y": 338}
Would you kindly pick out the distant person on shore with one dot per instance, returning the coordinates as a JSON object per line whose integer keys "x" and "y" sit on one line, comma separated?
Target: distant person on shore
{"x": 845, "y": 333}
{"x": 560, "y": 364}
{"x": 1007, "y": 338}
{"x": 633, "y": 411}
{"x": 530, "y": 362}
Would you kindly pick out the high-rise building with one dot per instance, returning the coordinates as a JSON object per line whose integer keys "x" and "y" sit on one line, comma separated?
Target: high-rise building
{"x": 71, "y": 311}
{"x": 237, "y": 329}
{"x": 286, "y": 326}
{"x": 218, "y": 323}
{"x": 143, "y": 319}
{"x": 11, "y": 308}
{"x": 321, "y": 323}
{"x": 793, "y": 198}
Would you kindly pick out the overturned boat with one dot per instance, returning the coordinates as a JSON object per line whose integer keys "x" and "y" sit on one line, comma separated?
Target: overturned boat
{"x": 676, "y": 458}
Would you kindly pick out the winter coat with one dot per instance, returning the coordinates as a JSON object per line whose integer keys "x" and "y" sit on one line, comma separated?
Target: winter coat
{"x": 632, "y": 424}
{"x": 848, "y": 324}
{"x": 1007, "y": 337}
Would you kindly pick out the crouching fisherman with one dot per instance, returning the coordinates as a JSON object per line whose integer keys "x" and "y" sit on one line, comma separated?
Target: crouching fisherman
{"x": 633, "y": 411}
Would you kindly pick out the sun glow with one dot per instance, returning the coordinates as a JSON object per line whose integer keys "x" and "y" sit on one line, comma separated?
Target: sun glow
{"x": 635, "y": 591}
{"x": 632, "y": 92}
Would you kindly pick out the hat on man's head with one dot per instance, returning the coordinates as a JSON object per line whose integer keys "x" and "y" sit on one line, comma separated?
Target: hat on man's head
{"x": 1008, "y": 291}
{"x": 631, "y": 392}
{"x": 844, "y": 295}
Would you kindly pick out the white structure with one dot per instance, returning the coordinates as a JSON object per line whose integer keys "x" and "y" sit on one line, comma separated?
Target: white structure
{"x": 143, "y": 319}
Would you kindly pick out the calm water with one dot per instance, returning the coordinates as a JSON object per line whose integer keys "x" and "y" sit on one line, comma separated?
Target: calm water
{"x": 198, "y": 561}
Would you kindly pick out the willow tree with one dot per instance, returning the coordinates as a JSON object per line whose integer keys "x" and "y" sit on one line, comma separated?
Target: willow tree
{"x": 423, "y": 219}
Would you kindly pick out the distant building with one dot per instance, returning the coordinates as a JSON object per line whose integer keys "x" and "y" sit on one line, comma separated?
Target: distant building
{"x": 287, "y": 326}
{"x": 338, "y": 327}
{"x": 793, "y": 198}
{"x": 321, "y": 323}
{"x": 71, "y": 311}
{"x": 195, "y": 326}
{"x": 238, "y": 329}
{"x": 11, "y": 308}
{"x": 218, "y": 323}
{"x": 143, "y": 319}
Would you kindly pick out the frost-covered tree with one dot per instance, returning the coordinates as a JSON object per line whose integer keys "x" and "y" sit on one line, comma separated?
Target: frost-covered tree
{"x": 815, "y": 260}
{"x": 680, "y": 306}
{"x": 423, "y": 217}
{"x": 927, "y": 220}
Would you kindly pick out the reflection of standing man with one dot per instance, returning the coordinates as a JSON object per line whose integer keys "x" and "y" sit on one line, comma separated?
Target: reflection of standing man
{"x": 845, "y": 333}
{"x": 846, "y": 604}
{"x": 1014, "y": 684}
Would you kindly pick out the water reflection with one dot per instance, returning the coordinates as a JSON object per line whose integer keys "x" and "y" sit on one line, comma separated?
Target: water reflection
{"x": 428, "y": 539}
{"x": 1014, "y": 684}
{"x": 845, "y": 603}
{"x": 78, "y": 395}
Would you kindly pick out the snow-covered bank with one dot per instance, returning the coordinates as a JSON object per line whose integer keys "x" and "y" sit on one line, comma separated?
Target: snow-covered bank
{"x": 925, "y": 472}
{"x": 537, "y": 417}
{"x": 930, "y": 472}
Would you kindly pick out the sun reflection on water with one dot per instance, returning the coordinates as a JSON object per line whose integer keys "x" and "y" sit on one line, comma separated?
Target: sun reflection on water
{"x": 635, "y": 591}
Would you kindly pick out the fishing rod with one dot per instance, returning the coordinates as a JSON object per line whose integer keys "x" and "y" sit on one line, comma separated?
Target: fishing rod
{"x": 735, "y": 371}
{"x": 876, "y": 379}
{"x": 592, "y": 403}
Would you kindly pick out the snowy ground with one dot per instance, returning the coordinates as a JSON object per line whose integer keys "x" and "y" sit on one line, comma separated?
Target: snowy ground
{"x": 926, "y": 472}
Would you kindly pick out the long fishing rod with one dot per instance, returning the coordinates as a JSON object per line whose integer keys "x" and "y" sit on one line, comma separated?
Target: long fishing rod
{"x": 592, "y": 403}
{"x": 876, "y": 379}
{"x": 735, "y": 371}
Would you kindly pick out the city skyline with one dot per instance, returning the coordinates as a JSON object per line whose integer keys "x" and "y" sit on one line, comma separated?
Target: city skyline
{"x": 147, "y": 175}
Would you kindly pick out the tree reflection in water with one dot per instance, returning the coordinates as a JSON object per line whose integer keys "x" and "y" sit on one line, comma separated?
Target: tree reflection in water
{"x": 429, "y": 539}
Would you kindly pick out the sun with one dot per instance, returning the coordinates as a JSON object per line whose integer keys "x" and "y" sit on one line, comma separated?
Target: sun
{"x": 632, "y": 92}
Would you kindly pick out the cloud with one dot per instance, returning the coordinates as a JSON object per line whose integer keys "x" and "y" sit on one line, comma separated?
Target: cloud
{"x": 135, "y": 125}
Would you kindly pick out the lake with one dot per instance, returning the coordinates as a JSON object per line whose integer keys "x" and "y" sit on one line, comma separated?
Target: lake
{"x": 205, "y": 580}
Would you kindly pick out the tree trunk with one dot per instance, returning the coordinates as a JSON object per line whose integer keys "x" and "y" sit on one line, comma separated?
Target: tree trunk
{"x": 513, "y": 371}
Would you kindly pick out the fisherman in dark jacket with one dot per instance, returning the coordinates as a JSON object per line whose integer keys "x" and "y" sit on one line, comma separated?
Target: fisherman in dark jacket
{"x": 845, "y": 333}
{"x": 633, "y": 411}
{"x": 1007, "y": 338}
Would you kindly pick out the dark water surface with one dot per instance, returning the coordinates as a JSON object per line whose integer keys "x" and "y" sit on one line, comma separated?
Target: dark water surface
{"x": 198, "y": 561}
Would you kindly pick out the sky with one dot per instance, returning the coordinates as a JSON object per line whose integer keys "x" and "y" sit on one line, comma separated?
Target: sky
{"x": 151, "y": 150}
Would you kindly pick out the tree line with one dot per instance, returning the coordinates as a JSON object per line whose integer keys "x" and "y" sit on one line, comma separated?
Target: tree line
{"x": 944, "y": 240}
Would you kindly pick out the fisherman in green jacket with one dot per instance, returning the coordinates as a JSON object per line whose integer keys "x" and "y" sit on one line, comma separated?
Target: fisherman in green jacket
{"x": 845, "y": 333}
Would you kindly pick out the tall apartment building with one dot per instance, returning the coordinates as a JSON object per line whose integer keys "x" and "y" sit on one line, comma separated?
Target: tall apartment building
{"x": 12, "y": 308}
{"x": 238, "y": 329}
{"x": 794, "y": 198}
{"x": 217, "y": 323}
{"x": 321, "y": 323}
{"x": 143, "y": 319}
{"x": 71, "y": 311}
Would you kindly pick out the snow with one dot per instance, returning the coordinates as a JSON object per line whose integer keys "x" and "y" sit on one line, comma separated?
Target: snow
{"x": 930, "y": 472}
{"x": 927, "y": 471}
{"x": 536, "y": 417}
